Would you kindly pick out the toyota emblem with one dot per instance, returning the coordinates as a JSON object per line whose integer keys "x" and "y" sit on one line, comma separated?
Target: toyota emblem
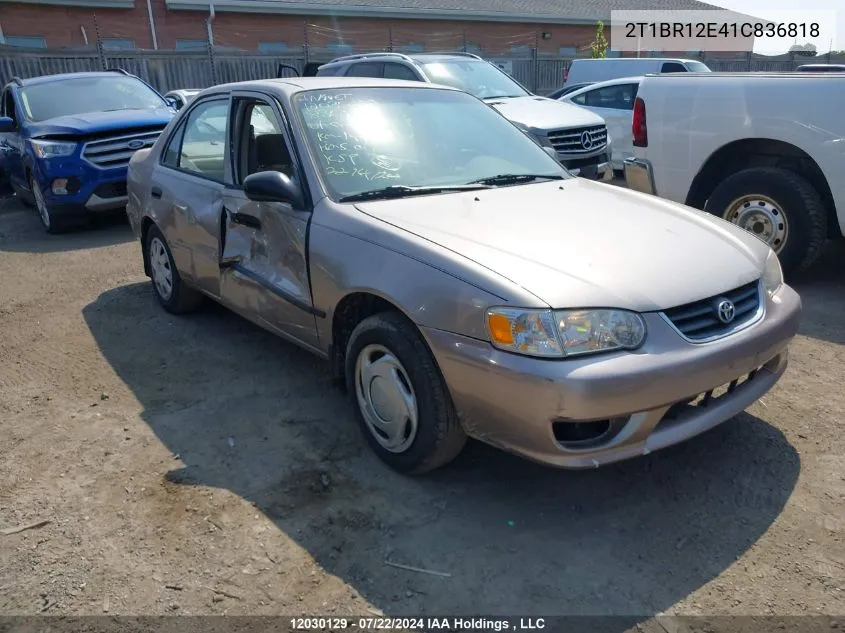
{"x": 586, "y": 140}
{"x": 726, "y": 311}
{"x": 135, "y": 144}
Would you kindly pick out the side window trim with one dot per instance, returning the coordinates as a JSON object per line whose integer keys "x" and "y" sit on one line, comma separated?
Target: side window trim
{"x": 287, "y": 132}
{"x": 182, "y": 127}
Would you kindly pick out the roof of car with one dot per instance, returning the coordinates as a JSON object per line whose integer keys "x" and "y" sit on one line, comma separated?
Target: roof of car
{"x": 421, "y": 58}
{"x": 437, "y": 57}
{"x": 43, "y": 79}
{"x": 292, "y": 85}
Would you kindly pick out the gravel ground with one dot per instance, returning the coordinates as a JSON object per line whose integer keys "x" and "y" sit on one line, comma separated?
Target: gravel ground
{"x": 199, "y": 465}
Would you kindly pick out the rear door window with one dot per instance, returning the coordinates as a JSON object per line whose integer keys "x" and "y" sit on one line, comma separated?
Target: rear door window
{"x": 620, "y": 97}
{"x": 203, "y": 147}
{"x": 393, "y": 70}
{"x": 366, "y": 69}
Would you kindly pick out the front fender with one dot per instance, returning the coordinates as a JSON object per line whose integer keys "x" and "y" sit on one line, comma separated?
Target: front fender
{"x": 342, "y": 264}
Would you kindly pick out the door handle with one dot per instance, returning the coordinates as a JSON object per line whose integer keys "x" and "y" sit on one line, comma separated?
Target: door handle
{"x": 246, "y": 220}
{"x": 156, "y": 193}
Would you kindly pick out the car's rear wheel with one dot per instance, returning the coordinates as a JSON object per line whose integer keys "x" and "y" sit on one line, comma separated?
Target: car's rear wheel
{"x": 780, "y": 207}
{"x": 402, "y": 402}
{"x": 170, "y": 290}
{"x": 49, "y": 221}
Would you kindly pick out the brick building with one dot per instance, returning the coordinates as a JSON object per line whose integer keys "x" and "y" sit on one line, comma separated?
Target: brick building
{"x": 560, "y": 28}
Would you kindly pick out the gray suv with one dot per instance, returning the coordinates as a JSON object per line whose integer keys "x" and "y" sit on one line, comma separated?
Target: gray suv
{"x": 578, "y": 137}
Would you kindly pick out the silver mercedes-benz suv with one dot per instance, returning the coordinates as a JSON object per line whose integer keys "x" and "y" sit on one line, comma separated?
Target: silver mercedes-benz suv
{"x": 578, "y": 136}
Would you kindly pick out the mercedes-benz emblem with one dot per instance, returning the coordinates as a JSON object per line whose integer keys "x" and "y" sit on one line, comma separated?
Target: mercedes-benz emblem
{"x": 726, "y": 311}
{"x": 586, "y": 140}
{"x": 135, "y": 144}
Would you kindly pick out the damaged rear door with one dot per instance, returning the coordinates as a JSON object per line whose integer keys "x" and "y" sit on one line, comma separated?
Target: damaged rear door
{"x": 263, "y": 256}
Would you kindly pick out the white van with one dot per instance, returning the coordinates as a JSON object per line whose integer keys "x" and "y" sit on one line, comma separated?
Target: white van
{"x": 593, "y": 70}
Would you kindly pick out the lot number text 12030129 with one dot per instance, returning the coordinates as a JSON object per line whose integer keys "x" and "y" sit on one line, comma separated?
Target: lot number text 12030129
{"x": 375, "y": 624}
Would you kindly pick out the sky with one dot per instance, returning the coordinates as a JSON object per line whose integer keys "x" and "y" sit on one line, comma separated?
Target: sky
{"x": 831, "y": 20}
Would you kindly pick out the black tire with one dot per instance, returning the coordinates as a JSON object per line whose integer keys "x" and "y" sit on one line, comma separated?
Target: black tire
{"x": 50, "y": 222}
{"x": 182, "y": 298}
{"x": 24, "y": 197}
{"x": 806, "y": 216}
{"x": 439, "y": 436}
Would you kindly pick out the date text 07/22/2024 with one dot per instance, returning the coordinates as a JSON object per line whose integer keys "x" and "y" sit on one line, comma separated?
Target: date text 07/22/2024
{"x": 376, "y": 624}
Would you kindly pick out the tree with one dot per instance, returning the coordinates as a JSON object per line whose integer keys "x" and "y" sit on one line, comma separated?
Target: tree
{"x": 807, "y": 50}
{"x": 599, "y": 45}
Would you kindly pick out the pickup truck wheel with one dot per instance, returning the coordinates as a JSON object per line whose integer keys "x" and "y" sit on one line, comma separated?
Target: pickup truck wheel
{"x": 780, "y": 207}
{"x": 170, "y": 290}
{"x": 402, "y": 402}
{"x": 49, "y": 221}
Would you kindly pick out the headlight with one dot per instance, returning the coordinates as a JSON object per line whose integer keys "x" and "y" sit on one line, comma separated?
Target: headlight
{"x": 52, "y": 149}
{"x": 772, "y": 274}
{"x": 559, "y": 333}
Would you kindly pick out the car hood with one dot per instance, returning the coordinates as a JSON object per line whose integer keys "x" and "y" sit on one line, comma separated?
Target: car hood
{"x": 576, "y": 243}
{"x": 96, "y": 122}
{"x": 541, "y": 114}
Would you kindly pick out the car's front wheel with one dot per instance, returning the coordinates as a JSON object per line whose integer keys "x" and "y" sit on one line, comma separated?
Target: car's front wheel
{"x": 49, "y": 221}
{"x": 402, "y": 402}
{"x": 170, "y": 290}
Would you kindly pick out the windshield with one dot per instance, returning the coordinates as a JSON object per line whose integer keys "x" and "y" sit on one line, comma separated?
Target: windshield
{"x": 698, "y": 67}
{"x": 479, "y": 78}
{"x": 364, "y": 139}
{"x": 81, "y": 95}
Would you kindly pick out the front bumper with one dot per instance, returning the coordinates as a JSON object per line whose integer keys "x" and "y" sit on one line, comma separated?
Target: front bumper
{"x": 639, "y": 175}
{"x": 94, "y": 190}
{"x": 515, "y": 402}
{"x": 600, "y": 171}
{"x": 597, "y": 167}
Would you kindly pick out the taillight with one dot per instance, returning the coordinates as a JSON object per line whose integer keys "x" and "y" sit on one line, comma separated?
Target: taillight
{"x": 639, "y": 130}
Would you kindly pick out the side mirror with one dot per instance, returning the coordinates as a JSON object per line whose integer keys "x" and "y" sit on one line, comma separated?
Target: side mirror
{"x": 172, "y": 102}
{"x": 6, "y": 124}
{"x": 273, "y": 186}
{"x": 551, "y": 151}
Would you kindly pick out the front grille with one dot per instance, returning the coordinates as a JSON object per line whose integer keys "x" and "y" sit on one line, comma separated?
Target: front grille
{"x": 111, "y": 190}
{"x": 699, "y": 321}
{"x": 117, "y": 150}
{"x": 579, "y": 140}
{"x": 706, "y": 399}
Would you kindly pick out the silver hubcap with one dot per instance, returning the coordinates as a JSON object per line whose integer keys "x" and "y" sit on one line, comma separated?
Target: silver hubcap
{"x": 161, "y": 268}
{"x": 386, "y": 398}
{"x": 39, "y": 203}
{"x": 762, "y": 216}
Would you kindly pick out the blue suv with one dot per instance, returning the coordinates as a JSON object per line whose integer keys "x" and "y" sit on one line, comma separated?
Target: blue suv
{"x": 66, "y": 141}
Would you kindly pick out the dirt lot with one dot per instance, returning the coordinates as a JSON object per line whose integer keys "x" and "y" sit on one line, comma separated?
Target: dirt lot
{"x": 199, "y": 465}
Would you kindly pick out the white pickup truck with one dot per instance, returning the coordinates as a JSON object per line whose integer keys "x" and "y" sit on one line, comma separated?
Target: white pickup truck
{"x": 765, "y": 151}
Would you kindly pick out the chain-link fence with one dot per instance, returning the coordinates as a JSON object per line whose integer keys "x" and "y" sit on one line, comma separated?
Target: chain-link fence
{"x": 253, "y": 48}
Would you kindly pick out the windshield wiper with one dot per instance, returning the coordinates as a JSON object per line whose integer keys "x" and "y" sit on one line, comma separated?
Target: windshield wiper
{"x": 503, "y": 97}
{"x": 404, "y": 191}
{"x": 512, "y": 179}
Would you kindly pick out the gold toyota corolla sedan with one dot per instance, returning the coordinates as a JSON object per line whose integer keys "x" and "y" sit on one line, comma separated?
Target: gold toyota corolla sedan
{"x": 458, "y": 279}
